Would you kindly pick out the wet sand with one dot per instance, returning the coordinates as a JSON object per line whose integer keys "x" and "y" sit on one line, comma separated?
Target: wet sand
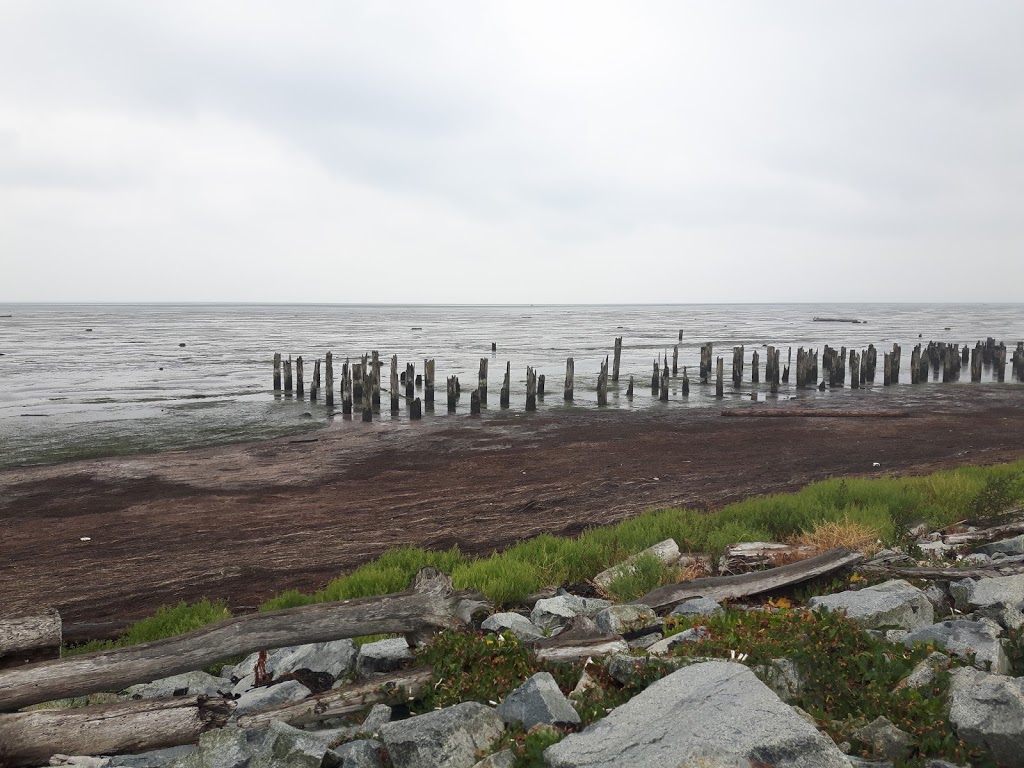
{"x": 246, "y": 521}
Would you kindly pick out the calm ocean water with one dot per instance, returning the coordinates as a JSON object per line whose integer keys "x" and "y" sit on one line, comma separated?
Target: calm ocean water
{"x": 126, "y": 385}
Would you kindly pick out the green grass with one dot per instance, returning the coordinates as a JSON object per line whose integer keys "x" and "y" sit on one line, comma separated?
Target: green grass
{"x": 889, "y": 505}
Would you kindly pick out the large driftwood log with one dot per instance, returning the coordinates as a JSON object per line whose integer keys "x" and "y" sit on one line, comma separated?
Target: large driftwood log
{"x": 747, "y": 584}
{"x": 392, "y": 689}
{"x": 579, "y": 640}
{"x": 430, "y": 606}
{"x": 985, "y": 535}
{"x": 1008, "y": 566}
{"x": 30, "y": 738}
{"x": 24, "y": 639}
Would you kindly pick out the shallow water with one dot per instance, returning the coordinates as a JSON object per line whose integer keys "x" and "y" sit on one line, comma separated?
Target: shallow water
{"x": 126, "y": 385}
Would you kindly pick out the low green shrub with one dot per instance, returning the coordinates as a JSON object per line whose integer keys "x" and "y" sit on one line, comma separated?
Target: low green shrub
{"x": 644, "y": 574}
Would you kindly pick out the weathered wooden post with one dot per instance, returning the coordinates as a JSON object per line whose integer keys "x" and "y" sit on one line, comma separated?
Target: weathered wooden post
{"x": 494, "y": 346}
{"x": 329, "y": 365}
{"x": 680, "y": 335}
{"x": 506, "y": 386}
{"x": 410, "y": 381}
{"x": 300, "y": 390}
{"x": 886, "y": 368}
{"x": 531, "y": 389}
{"x": 656, "y": 378}
{"x": 540, "y": 386}
{"x": 755, "y": 368}
{"x": 346, "y": 388}
{"x": 277, "y": 371}
{"x": 842, "y": 367}
{"x": 675, "y": 360}
{"x": 706, "y": 353}
{"x": 357, "y": 382}
{"x": 965, "y": 359}
{"x": 416, "y": 410}
{"x": 976, "y": 362}
{"x": 375, "y": 383}
{"x": 618, "y": 357}
{"x": 602, "y": 383}
{"x": 474, "y": 403}
{"x": 774, "y": 381}
{"x": 801, "y": 368}
{"x": 367, "y": 391}
{"x": 568, "y": 379}
{"x": 395, "y": 405}
{"x": 719, "y": 375}
{"x": 314, "y": 387}
{"x": 428, "y": 382}
{"x": 664, "y": 383}
{"x": 785, "y": 372}
{"x": 872, "y": 362}
{"x": 1001, "y": 362}
{"x": 629, "y": 389}
{"x": 686, "y": 383}
{"x": 854, "y": 370}
{"x": 915, "y": 365}
{"x": 288, "y": 376}
{"x": 451, "y": 394}
{"x": 737, "y": 365}
{"x": 896, "y": 352}
{"x": 482, "y": 382}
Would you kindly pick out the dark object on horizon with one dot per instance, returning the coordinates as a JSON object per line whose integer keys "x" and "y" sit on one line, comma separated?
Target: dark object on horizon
{"x": 840, "y": 320}
{"x": 494, "y": 347}
{"x": 180, "y": 345}
{"x": 87, "y": 330}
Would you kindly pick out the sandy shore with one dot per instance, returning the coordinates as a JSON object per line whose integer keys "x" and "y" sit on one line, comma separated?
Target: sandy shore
{"x": 245, "y": 522}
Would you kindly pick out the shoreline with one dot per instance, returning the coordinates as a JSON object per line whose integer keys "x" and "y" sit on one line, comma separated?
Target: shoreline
{"x": 246, "y": 521}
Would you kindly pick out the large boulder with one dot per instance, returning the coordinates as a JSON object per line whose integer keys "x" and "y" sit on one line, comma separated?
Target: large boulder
{"x": 893, "y": 604}
{"x": 697, "y": 606}
{"x": 716, "y": 711}
{"x": 218, "y": 748}
{"x": 666, "y": 551}
{"x": 447, "y": 738}
{"x": 1014, "y": 546}
{"x": 288, "y": 747}
{"x": 364, "y": 753}
{"x": 383, "y": 656}
{"x": 885, "y": 739}
{"x": 520, "y": 626}
{"x": 1000, "y": 598}
{"x": 962, "y": 638}
{"x": 537, "y": 701}
{"x": 270, "y": 696}
{"x": 620, "y": 619}
{"x": 555, "y": 612}
{"x": 187, "y": 684}
{"x": 337, "y": 658}
{"x": 988, "y": 710}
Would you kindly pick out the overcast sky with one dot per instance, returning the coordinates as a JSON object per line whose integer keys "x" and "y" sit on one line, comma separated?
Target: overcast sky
{"x": 511, "y": 152}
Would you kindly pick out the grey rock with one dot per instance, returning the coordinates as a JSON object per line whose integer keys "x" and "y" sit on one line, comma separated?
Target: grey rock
{"x": 378, "y": 716}
{"x": 988, "y": 710}
{"x": 520, "y": 626}
{"x": 364, "y": 753}
{"x": 665, "y": 645}
{"x": 935, "y": 763}
{"x": 924, "y": 673}
{"x": 960, "y": 638}
{"x": 969, "y": 595}
{"x": 269, "y": 696}
{"x": 885, "y": 739}
{"x": 939, "y": 599}
{"x": 218, "y": 748}
{"x": 645, "y": 641}
{"x": 895, "y": 635}
{"x": 625, "y": 618}
{"x": 504, "y": 759}
{"x": 448, "y": 738}
{"x": 976, "y": 558}
{"x": 537, "y": 701}
{"x": 187, "y": 684}
{"x": 1007, "y": 616}
{"x": 383, "y": 656}
{"x": 337, "y": 658}
{"x": 935, "y": 549}
{"x": 716, "y": 711}
{"x": 295, "y": 748}
{"x": 894, "y": 604}
{"x": 1014, "y": 546}
{"x": 554, "y": 612}
{"x": 783, "y": 677}
{"x": 666, "y": 551}
{"x": 156, "y": 758}
{"x": 697, "y": 606}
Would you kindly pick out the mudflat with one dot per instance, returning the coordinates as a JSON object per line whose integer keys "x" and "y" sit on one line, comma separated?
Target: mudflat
{"x": 246, "y": 521}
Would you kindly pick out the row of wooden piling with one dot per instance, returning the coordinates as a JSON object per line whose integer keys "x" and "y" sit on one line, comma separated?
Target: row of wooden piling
{"x": 360, "y": 381}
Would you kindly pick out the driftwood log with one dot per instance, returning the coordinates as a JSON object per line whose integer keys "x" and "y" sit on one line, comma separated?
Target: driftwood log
{"x": 25, "y": 639}
{"x": 748, "y": 584}
{"x": 30, "y": 738}
{"x": 1008, "y": 566}
{"x": 393, "y": 689}
{"x": 580, "y": 639}
{"x": 431, "y": 605}
{"x": 985, "y": 535}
